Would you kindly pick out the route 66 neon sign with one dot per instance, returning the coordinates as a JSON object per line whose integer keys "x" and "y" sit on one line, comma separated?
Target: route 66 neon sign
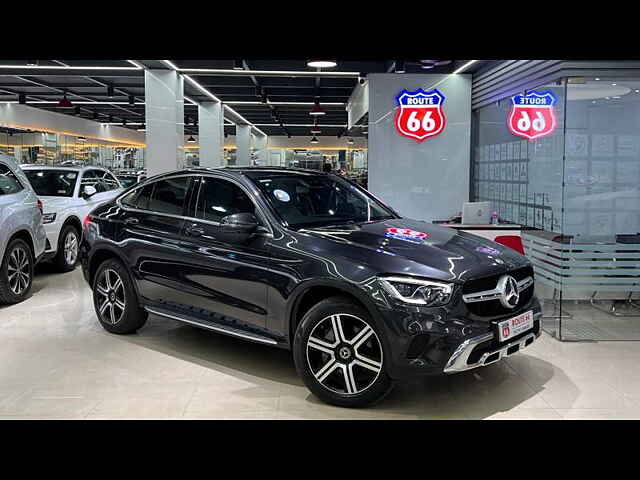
{"x": 532, "y": 115}
{"x": 419, "y": 114}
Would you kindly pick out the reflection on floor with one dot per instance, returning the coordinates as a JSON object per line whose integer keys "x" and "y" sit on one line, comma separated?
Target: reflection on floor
{"x": 588, "y": 323}
{"x": 57, "y": 362}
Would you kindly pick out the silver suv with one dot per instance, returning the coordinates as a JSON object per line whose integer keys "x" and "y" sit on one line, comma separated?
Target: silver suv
{"x": 22, "y": 235}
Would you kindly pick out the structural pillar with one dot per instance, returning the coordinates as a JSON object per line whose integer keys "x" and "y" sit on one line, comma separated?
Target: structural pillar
{"x": 211, "y": 134}
{"x": 164, "y": 108}
{"x": 243, "y": 145}
{"x": 263, "y": 153}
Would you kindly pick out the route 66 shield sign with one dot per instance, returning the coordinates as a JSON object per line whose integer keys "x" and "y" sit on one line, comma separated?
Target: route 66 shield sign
{"x": 532, "y": 115}
{"x": 419, "y": 114}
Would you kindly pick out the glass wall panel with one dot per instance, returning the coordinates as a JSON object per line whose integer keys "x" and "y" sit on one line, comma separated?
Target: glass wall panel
{"x": 522, "y": 180}
{"x": 577, "y": 192}
{"x": 601, "y": 225}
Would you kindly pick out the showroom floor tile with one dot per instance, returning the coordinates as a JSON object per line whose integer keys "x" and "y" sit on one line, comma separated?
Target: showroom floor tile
{"x": 57, "y": 362}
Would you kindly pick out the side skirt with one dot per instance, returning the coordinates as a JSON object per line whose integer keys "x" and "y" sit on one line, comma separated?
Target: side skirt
{"x": 213, "y": 326}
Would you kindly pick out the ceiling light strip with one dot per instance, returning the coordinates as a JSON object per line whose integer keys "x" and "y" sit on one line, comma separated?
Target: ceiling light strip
{"x": 170, "y": 64}
{"x": 267, "y": 73}
{"x": 300, "y": 125}
{"x": 138, "y": 65}
{"x": 212, "y": 96}
{"x": 200, "y": 87}
{"x": 464, "y": 67}
{"x": 60, "y": 67}
{"x": 324, "y": 104}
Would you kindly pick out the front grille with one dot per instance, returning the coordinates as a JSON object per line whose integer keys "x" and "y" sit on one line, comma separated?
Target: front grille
{"x": 487, "y": 283}
{"x": 493, "y": 308}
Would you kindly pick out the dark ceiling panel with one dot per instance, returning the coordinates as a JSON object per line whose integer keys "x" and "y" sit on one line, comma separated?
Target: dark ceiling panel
{"x": 91, "y": 85}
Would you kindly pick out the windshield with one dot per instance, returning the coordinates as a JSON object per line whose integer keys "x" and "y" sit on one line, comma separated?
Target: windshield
{"x": 53, "y": 183}
{"x": 305, "y": 201}
{"x": 126, "y": 182}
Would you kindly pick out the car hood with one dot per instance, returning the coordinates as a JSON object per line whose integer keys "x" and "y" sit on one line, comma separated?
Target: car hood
{"x": 420, "y": 248}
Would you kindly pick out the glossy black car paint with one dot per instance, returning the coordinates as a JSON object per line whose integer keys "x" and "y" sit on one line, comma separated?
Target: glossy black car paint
{"x": 266, "y": 284}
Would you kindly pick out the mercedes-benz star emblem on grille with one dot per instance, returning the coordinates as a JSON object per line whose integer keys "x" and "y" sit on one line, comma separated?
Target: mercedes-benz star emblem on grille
{"x": 508, "y": 287}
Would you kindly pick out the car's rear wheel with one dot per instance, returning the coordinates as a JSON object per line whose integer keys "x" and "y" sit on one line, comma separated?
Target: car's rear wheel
{"x": 16, "y": 273}
{"x": 115, "y": 299}
{"x": 66, "y": 257}
{"x": 339, "y": 354}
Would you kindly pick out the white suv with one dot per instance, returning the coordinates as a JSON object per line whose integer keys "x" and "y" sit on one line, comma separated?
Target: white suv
{"x": 68, "y": 195}
{"x": 22, "y": 236}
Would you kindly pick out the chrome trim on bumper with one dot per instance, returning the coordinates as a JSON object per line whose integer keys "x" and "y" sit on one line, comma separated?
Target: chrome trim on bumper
{"x": 458, "y": 361}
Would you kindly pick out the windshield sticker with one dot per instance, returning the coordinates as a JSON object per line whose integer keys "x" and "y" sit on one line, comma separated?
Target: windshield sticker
{"x": 488, "y": 250}
{"x": 405, "y": 234}
{"x": 281, "y": 195}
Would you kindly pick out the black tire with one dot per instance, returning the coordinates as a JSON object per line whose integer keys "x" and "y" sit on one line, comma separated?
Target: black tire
{"x": 10, "y": 291}
{"x": 361, "y": 386}
{"x": 60, "y": 260}
{"x": 125, "y": 320}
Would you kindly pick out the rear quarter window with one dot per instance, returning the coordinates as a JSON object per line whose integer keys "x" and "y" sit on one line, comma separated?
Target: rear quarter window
{"x": 9, "y": 183}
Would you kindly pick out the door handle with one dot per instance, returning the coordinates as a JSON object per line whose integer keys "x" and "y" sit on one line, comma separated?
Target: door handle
{"x": 194, "y": 230}
{"x": 131, "y": 221}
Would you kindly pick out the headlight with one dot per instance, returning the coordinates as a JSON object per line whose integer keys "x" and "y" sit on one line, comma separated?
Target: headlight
{"x": 418, "y": 292}
{"x": 48, "y": 218}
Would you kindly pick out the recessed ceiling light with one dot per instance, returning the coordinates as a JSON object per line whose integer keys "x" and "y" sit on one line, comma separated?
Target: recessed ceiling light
{"x": 597, "y": 79}
{"x": 637, "y": 90}
{"x": 616, "y": 96}
{"x": 318, "y": 63}
{"x": 614, "y": 84}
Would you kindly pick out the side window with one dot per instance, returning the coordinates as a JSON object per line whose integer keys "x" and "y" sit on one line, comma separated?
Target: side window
{"x": 142, "y": 202}
{"x": 9, "y": 183}
{"x": 89, "y": 177}
{"x": 109, "y": 182}
{"x": 129, "y": 200}
{"x": 219, "y": 198}
{"x": 169, "y": 195}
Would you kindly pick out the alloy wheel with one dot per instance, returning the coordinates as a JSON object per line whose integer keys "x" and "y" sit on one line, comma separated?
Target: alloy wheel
{"x": 112, "y": 303}
{"x": 19, "y": 271}
{"x": 344, "y": 354}
{"x": 71, "y": 248}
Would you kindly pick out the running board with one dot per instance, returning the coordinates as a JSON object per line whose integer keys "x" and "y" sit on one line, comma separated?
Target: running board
{"x": 235, "y": 332}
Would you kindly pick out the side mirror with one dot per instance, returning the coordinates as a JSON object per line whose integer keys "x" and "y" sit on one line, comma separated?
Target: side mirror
{"x": 89, "y": 191}
{"x": 239, "y": 227}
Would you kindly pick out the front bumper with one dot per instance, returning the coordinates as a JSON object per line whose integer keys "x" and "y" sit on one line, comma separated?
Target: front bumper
{"x": 460, "y": 360}
{"x": 443, "y": 340}
{"x": 53, "y": 232}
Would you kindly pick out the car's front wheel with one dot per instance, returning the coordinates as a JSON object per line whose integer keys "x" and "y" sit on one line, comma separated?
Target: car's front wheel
{"x": 339, "y": 354}
{"x": 115, "y": 299}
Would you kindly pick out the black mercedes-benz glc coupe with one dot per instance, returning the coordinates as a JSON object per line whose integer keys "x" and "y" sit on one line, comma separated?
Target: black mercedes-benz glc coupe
{"x": 311, "y": 262}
